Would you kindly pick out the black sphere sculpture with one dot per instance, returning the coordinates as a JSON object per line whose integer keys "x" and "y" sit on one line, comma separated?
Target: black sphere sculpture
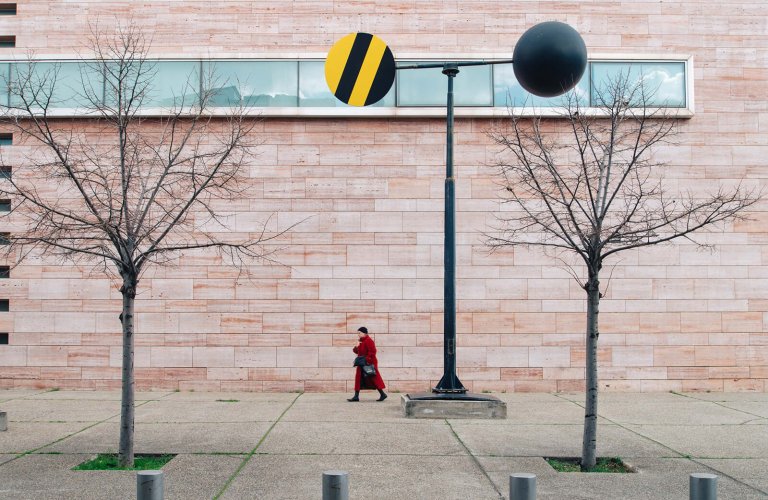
{"x": 549, "y": 59}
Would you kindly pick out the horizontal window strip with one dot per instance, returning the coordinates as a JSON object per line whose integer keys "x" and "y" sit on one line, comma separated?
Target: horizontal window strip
{"x": 296, "y": 84}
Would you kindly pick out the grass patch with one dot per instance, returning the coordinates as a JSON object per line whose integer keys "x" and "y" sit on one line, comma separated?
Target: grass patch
{"x": 605, "y": 464}
{"x": 227, "y": 400}
{"x": 108, "y": 461}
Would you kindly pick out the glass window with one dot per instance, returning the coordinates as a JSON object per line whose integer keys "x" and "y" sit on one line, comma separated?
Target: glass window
{"x": 67, "y": 83}
{"x": 663, "y": 82}
{"x": 253, "y": 83}
{"x": 6, "y": 171}
{"x": 5, "y": 84}
{"x": 5, "y": 205}
{"x": 173, "y": 84}
{"x": 3, "y": 338}
{"x": 6, "y": 139}
{"x": 508, "y": 92}
{"x": 5, "y": 272}
{"x": 428, "y": 87}
{"x": 314, "y": 91}
{"x": 5, "y": 305}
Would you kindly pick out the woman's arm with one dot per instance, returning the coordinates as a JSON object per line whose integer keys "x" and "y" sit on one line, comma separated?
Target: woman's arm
{"x": 370, "y": 354}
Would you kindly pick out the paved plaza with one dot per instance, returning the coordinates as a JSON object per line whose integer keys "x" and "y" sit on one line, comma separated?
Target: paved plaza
{"x": 262, "y": 445}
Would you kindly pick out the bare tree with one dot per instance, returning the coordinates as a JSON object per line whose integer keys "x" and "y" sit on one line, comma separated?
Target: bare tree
{"x": 588, "y": 186}
{"x": 118, "y": 188}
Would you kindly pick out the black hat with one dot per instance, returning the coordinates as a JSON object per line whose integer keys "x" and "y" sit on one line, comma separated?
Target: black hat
{"x": 363, "y": 329}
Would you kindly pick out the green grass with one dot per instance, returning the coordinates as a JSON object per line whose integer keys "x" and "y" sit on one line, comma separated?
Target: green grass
{"x": 108, "y": 461}
{"x": 606, "y": 464}
{"x": 227, "y": 400}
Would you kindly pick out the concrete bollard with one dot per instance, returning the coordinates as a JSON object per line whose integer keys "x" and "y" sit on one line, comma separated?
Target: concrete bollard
{"x": 703, "y": 486}
{"x": 522, "y": 486}
{"x": 335, "y": 485}
{"x": 3, "y": 421}
{"x": 149, "y": 485}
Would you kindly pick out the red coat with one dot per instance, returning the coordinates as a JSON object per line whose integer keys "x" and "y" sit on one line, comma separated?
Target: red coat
{"x": 367, "y": 348}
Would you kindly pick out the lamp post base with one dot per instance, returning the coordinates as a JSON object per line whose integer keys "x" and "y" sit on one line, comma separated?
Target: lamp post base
{"x": 453, "y": 405}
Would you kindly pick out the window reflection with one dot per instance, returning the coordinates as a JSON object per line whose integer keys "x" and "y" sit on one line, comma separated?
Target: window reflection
{"x": 314, "y": 91}
{"x": 663, "y": 82}
{"x": 291, "y": 83}
{"x": 428, "y": 87}
{"x": 69, "y": 84}
{"x": 5, "y": 84}
{"x": 173, "y": 84}
{"x": 507, "y": 91}
{"x": 253, "y": 83}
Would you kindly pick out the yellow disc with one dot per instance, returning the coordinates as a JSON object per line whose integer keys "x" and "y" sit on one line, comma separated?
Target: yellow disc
{"x": 360, "y": 69}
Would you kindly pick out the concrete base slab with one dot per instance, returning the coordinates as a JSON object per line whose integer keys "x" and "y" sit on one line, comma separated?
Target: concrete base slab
{"x": 455, "y": 406}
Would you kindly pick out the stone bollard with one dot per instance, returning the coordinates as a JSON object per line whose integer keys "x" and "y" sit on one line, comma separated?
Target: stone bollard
{"x": 522, "y": 486}
{"x": 149, "y": 485}
{"x": 703, "y": 486}
{"x": 335, "y": 485}
{"x": 3, "y": 421}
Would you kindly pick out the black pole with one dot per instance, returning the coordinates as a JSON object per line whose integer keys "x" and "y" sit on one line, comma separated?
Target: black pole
{"x": 450, "y": 382}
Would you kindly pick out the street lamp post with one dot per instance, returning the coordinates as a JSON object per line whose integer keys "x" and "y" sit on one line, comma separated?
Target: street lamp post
{"x": 548, "y": 60}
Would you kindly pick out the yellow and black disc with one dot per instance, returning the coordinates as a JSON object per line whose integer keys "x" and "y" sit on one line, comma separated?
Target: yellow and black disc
{"x": 360, "y": 69}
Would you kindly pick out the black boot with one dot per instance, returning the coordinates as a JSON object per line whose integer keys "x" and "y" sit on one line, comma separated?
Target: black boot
{"x": 354, "y": 398}
{"x": 382, "y": 395}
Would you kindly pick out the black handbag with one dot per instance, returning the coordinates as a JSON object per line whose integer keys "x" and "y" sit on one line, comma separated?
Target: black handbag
{"x": 369, "y": 370}
{"x": 359, "y": 361}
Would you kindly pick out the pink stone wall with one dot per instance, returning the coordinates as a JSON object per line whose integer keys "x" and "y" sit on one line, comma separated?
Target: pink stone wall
{"x": 674, "y": 318}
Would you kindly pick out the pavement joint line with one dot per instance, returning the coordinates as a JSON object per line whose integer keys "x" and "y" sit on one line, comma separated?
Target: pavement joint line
{"x": 30, "y": 452}
{"x": 253, "y": 451}
{"x": 683, "y": 455}
{"x": 724, "y": 404}
{"x": 23, "y": 397}
{"x": 475, "y": 460}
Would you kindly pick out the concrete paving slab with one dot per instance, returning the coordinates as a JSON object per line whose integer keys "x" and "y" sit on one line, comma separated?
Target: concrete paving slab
{"x": 359, "y": 438}
{"x": 625, "y": 397}
{"x": 657, "y": 478}
{"x": 756, "y": 408}
{"x": 672, "y": 413}
{"x": 336, "y": 408}
{"x": 753, "y": 472}
{"x": 168, "y": 438}
{"x": 264, "y": 397}
{"x": 8, "y": 394}
{"x": 6, "y": 457}
{"x": 99, "y": 395}
{"x": 540, "y": 412}
{"x": 370, "y": 476}
{"x": 728, "y": 396}
{"x": 26, "y": 436}
{"x": 208, "y": 411}
{"x": 198, "y": 476}
{"x": 71, "y": 410}
{"x": 50, "y": 477}
{"x": 552, "y": 441}
{"x": 711, "y": 441}
{"x": 534, "y": 397}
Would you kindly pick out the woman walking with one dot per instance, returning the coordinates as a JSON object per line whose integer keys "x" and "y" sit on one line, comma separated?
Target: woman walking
{"x": 367, "y": 348}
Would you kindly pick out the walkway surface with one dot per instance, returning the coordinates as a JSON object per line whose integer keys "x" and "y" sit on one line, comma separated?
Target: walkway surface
{"x": 250, "y": 445}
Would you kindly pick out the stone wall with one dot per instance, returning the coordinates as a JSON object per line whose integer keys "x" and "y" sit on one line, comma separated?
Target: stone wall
{"x": 370, "y": 253}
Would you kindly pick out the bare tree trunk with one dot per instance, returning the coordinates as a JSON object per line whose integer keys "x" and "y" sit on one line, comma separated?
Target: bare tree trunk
{"x": 125, "y": 453}
{"x": 589, "y": 445}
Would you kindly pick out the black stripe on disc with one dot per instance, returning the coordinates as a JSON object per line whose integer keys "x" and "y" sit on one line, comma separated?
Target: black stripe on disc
{"x": 384, "y": 78}
{"x": 353, "y": 66}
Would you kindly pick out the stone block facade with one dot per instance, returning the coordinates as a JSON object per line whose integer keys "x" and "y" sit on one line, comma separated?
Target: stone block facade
{"x": 367, "y": 196}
